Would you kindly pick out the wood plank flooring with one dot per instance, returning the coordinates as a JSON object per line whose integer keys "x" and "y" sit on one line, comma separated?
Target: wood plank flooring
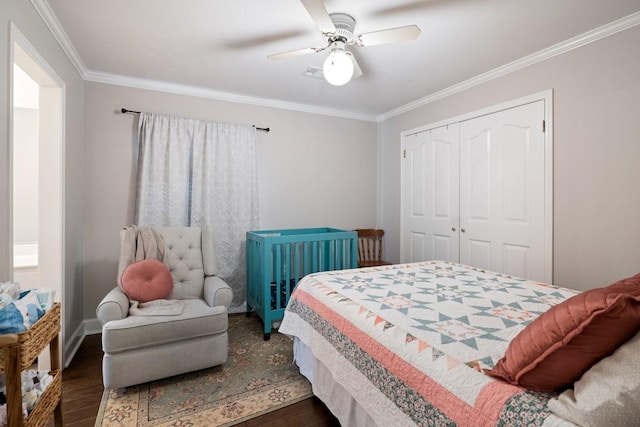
{"x": 82, "y": 390}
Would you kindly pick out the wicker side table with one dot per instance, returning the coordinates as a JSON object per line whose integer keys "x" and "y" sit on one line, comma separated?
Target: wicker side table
{"x": 17, "y": 353}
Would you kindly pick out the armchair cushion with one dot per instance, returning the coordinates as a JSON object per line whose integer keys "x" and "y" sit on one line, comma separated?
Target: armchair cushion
{"x": 147, "y": 280}
{"x": 134, "y": 332}
{"x": 183, "y": 256}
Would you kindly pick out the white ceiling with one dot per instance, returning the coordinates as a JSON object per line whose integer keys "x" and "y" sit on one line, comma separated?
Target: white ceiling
{"x": 221, "y": 47}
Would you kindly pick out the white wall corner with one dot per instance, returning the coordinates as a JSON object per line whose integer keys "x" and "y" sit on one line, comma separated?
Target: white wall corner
{"x": 50, "y": 19}
{"x": 87, "y": 327}
{"x": 71, "y": 346}
{"x": 92, "y": 326}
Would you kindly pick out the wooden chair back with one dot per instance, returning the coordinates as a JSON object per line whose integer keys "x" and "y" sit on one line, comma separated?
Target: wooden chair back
{"x": 370, "y": 247}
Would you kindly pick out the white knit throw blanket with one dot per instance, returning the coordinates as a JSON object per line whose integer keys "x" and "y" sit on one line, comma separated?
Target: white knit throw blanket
{"x": 159, "y": 307}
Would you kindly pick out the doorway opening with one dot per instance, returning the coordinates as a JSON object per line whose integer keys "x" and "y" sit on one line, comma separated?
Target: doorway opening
{"x": 37, "y": 171}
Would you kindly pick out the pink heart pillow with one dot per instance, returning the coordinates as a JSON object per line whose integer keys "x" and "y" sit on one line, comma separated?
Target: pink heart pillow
{"x": 147, "y": 280}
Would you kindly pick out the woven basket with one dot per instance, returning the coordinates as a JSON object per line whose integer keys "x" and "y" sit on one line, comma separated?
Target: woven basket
{"x": 34, "y": 339}
{"x": 47, "y": 402}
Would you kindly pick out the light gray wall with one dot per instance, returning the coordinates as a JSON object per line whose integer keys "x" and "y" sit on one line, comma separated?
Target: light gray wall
{"x": 29, "y": 22}
{"x": 596, "y": 108}
{"x": 314, "y": 170}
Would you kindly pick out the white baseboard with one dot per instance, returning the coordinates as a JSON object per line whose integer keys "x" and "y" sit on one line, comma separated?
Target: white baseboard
{"x": 92, "y": 326}
{"x": 72, "y": 345}
{"x": 87, "y": 327}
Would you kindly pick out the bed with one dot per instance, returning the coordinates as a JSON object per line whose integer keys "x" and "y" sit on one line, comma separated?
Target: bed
{"x": 408, "y": 344}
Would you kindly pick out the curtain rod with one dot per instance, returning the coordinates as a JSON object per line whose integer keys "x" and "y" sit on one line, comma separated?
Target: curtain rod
{"x": 125, "y": 111}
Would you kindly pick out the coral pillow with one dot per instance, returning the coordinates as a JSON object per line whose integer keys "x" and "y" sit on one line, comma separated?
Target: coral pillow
{"x": 147, "y": 280}
{"x": 558, "y": 347}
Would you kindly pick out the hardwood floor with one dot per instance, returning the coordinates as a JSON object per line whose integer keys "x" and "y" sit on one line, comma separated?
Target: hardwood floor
{"x": 82, "y": 390}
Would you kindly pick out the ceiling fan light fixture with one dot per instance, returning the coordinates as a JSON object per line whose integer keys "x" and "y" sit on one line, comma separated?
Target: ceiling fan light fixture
{"x": 341, "y": 65}
{"x": 338, "y": 67}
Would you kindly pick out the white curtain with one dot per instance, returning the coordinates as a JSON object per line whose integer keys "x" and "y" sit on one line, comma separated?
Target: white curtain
{"x": 196, "y": 173}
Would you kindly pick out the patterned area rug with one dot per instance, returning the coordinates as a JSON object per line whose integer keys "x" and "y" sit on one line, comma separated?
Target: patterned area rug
{"x": 259, "y": 377}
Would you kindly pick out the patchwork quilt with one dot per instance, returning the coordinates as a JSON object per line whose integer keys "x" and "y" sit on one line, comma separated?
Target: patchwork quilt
{"x": 409, "y": 342}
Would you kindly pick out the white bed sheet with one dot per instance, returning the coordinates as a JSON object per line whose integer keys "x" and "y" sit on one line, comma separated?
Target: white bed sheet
{"x": 341, "y": 404}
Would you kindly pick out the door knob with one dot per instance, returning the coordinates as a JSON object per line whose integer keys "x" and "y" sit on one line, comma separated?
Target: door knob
{"x": 463, "y": 230}
{"x": 453, "y": 229}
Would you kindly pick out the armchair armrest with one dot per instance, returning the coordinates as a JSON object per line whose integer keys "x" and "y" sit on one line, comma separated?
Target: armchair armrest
{"x": 114, "y": 306}
{"x": 217, "y": 292}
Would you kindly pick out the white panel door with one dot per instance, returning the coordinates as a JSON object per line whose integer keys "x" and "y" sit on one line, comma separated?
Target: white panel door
{"x": 502, "y": 192}
{"x": 430, "y": 195}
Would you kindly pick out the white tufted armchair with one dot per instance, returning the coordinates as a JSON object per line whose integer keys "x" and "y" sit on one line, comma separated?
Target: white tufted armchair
{"x": 138, "y": 349}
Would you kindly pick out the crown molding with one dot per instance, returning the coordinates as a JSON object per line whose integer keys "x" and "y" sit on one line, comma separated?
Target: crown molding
{"x": 583, "y": 39}
{"x": 58, "y": 32}
{"x": 200, "y": 92}
{"x": 586, "y": 38}
{"x": 50, "y": 19}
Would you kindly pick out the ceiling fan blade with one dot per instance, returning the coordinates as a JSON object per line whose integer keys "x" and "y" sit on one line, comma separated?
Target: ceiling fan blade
{"x": 319, "y": 14}
{"x": 291, "y": 53}
{"x": 357, "y": 71}
{"x": 392, "y": 35}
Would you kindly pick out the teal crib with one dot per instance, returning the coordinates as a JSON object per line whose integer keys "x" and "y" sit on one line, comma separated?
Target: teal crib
{"x": 278, "y": 259}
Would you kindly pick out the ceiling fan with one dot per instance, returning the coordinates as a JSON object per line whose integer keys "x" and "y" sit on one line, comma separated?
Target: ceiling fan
{"x": 341, "y": 66}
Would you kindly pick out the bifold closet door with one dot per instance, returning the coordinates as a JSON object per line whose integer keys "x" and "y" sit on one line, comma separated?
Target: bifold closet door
{"x": 502, "y": 192}
{"x": 430, "y": 195}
